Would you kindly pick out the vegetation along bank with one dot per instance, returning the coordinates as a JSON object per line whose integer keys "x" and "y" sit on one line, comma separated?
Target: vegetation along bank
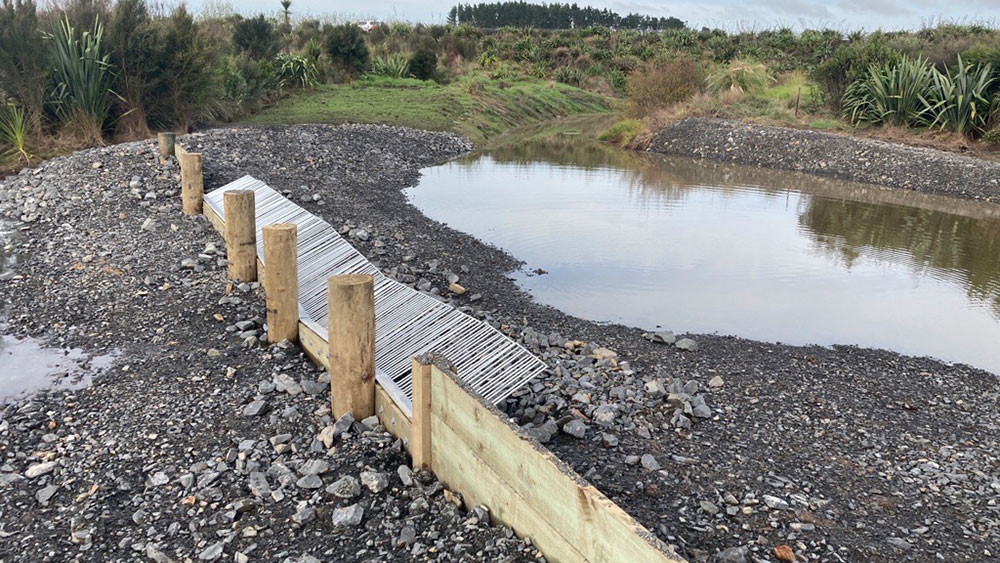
{"x": 89, "y": 73}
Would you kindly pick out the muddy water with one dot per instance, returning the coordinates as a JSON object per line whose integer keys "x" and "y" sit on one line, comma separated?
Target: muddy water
{"x": 703, "y": 247}
{"x": 28, "y": 365}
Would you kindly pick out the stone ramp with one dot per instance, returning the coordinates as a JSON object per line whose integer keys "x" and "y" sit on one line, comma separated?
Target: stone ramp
{"x": 407, "y": 322}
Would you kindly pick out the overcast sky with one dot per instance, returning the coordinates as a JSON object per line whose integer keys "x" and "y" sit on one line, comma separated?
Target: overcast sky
{"x": 726, "y": 14}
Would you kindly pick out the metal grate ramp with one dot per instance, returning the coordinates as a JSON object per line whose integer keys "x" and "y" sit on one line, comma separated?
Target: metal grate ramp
{"x": 407, "y": 322}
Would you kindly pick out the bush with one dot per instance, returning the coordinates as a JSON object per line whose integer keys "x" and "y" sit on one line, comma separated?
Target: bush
{"x": 959, "y": 99}
{"x": 891, "y": 93}
{"x": 345, "y": 44}
{"x": 132, "y": 46}
{"x": 423, "y": 64}
{"x": 393, "y": 66}
{"x": 570, "y": 75}
{"x": 186, "y": 81}
{"x": 256, "y": 37}
{"x": 16, "y": 125}
{"x": 23, "y": 66}
{"x": 992, "y": 137}
{"x": 663, "y": 84}
{"x": 848, "y": 64}
{"x": 740, "y": 76}
{"x": 295, "y": 71}
{"x": 83, "y": 80}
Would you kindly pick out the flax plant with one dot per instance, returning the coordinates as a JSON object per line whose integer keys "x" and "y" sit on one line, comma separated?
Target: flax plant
{"x": 82, "y": 98}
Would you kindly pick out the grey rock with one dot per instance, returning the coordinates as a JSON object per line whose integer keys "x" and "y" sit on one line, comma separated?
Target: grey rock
{"x": 575, "y": 428}
{"x": 310, "y": 481}
{"x": 375, "y": 482}
{"x": 686, "y": 344}
{"x": 39, "y": 469}
{"x": 345, "y": 487}
{"x": 348, "y": 517}
{"x": 649, "y": 462}
{"x": 732, "y": 555}
{"x": 212, "y": 552}
{"x": 775, "y": 502}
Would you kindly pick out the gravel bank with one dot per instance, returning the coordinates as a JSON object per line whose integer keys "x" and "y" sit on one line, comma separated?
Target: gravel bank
{"x": 836, "y": 156}
{"x": 732, "y": 450}
{"x": 201, "y": 443}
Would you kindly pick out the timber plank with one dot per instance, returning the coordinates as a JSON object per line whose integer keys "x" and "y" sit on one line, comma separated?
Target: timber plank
{"x": 586, "y": 518}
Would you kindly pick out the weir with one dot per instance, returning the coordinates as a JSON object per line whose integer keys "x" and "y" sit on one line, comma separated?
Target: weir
{"x": 438, "y": 374}
{"x": 407, "y": 322}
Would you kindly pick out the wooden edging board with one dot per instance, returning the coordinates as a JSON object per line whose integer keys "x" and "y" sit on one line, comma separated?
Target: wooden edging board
{"x": 478, "y": 452}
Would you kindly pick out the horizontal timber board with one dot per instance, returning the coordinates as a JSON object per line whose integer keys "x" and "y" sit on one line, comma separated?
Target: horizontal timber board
{"x": 583, "y": 517}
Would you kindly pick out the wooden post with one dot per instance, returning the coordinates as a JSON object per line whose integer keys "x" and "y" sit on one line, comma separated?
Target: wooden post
{"x": 166, "y": 143}
{"x": 351, "y": 320}
{"x": 420, "y": 437}
{"x": 281, "y": 285}
{"x": 192, "y": 181}
{"x": 241, "y": 234}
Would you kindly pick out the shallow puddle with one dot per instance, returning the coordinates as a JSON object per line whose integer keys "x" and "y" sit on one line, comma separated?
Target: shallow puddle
{"x": 703, "y": 247}
{"x": 27, "y": 366}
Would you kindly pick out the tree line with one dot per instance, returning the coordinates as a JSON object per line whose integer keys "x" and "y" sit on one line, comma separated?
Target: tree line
{"x": 553, "y": 16}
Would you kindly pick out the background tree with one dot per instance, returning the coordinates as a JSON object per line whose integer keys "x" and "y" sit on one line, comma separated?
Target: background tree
{"x": 255, "y": 37}
{"x": 346, "y": 46}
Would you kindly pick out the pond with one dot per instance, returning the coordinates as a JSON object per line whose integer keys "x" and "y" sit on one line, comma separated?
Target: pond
{"x": 702, "y": 247}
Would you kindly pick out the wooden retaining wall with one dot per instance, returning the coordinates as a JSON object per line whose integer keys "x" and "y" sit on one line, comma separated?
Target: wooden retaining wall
{"x": 477, "y": 451}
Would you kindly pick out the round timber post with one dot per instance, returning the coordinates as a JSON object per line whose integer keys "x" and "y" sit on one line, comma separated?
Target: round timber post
{"x": 241, "y": 234}
{"x": 281, "y": 283}
{"x": 351, "y": 336}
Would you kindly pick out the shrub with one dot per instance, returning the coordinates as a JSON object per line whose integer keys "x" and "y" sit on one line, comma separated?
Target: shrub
{"x": 133, "y": 48}
{"x": 570, "y": 75}
{"x": 891, "y": 93}
{"x": 850, "y": 63}
{"x": 392, "y": 65}
{"x": 256, "y": 37}
{"x": 663, "y": 84}
{"x": 740, "y": 76}
{"x": 295, "y": 71}
{"x": 186, "y": 82}
{"x": 23, "y": 66}
{"x": 503, "y": 71}
{"x": 16, "y": 125}
{"x": 959, "y": 99}
{"x": 423, "y": 64}
{"x": 992, "y": 137}
{"x": 82, "y": 98}
{"x": 345, "y": 44}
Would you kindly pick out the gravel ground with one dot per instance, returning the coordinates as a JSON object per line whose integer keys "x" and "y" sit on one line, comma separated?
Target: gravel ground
{"x": 732, "y": 450}
{"x": 201, "y": 444}
{"x": 836, "y": 156}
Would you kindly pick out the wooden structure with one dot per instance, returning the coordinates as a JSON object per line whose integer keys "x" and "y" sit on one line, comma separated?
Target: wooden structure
{"x": 476, "y": 451}
{"x": 192, "y": 180}
{"x": 407, "y": 322}
{"x": 451, "y": 428}
{"x": 165, "y": 143}
{"x": 241, "y": 234}
{"x": 351, "y": 338}
{"x": 281, "y": 288}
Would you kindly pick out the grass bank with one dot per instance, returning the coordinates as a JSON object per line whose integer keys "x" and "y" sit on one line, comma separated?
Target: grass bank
{"x": 474, "y": 106}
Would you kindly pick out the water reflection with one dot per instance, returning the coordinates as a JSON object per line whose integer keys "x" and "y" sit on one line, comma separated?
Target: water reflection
{"x": 708, "y": 247}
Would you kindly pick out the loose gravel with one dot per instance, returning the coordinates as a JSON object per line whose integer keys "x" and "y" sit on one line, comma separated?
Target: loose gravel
{"x": 204, "y": 443}
{"x": 836, "y": 156}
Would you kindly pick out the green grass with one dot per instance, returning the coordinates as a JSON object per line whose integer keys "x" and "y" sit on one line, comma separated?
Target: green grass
{"x": 474, "y": 106}
{"x": 622, "y": 132}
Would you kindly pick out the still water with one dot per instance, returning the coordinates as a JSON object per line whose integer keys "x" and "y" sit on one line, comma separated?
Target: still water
{"x": 703, "y": 247}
